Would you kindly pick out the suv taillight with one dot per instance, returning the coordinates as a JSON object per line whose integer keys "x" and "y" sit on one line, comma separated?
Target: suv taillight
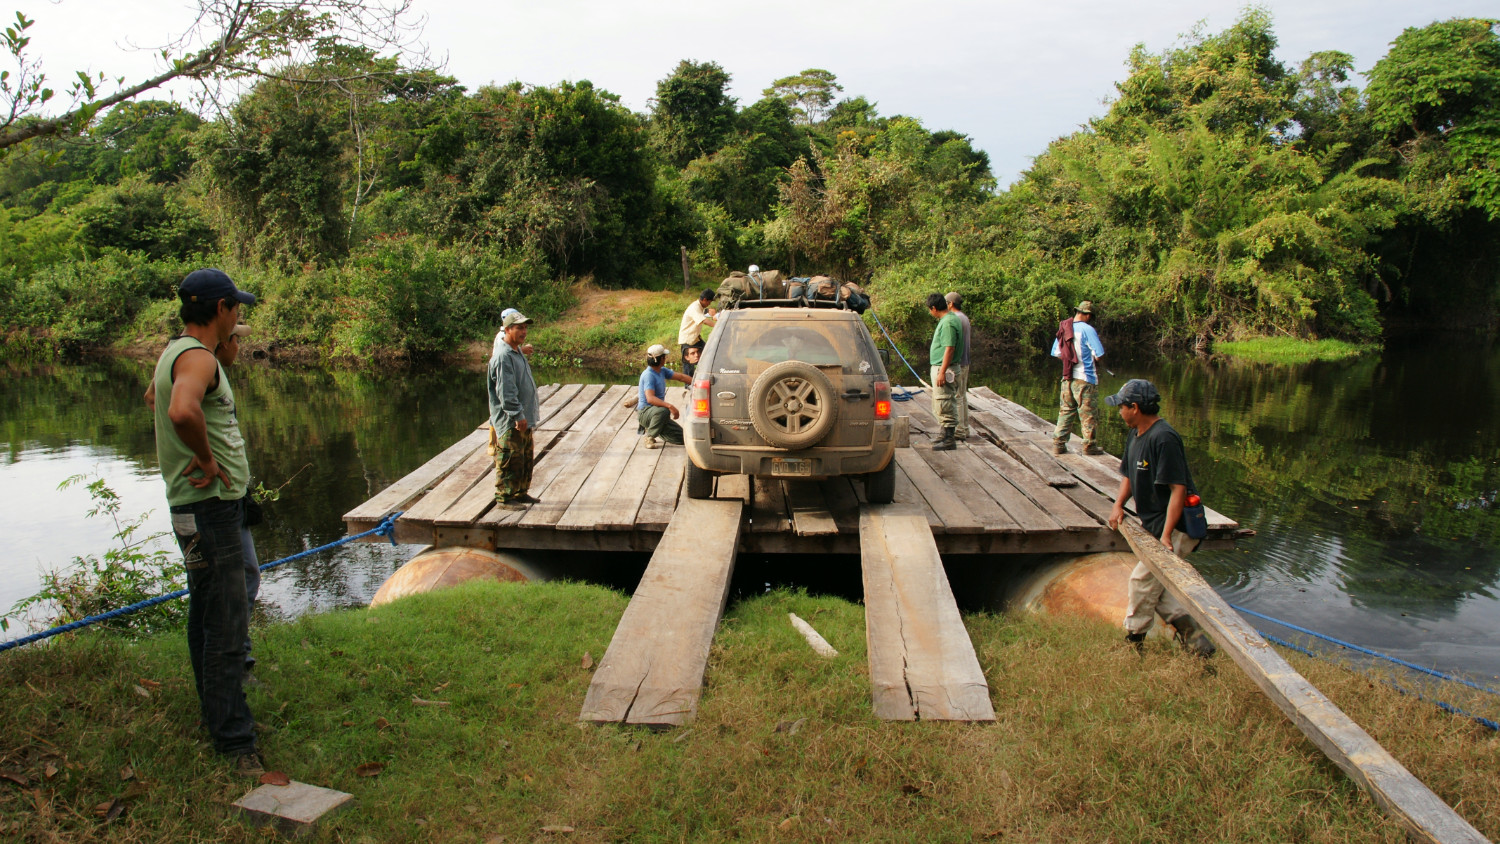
{"x": 882, "y": 399}
{"x": 700, "y": 398}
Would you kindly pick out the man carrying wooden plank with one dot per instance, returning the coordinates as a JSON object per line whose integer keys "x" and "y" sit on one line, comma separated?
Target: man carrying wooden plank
{"x": 513, "y": 415}
{"x": 1155, "y": 472}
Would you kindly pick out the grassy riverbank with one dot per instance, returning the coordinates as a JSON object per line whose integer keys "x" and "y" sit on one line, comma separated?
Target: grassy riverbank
{"x": 1289, "y": 350}
{"x": 468, "y": 699}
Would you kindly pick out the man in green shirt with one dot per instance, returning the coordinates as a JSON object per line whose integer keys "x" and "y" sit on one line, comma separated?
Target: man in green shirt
{"x": 946, "y": 349}
{"x": 203, "y": 462}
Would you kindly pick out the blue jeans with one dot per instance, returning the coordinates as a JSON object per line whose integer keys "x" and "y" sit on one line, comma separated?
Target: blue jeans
{"x": 209, "y": 534}
{"x": 252, "y": 582}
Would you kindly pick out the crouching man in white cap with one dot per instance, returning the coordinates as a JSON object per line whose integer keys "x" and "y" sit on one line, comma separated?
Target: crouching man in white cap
{"x": 657, "y": 417}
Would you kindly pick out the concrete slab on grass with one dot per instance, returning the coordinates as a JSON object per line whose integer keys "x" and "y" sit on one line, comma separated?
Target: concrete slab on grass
{"x": 294, "y": 808}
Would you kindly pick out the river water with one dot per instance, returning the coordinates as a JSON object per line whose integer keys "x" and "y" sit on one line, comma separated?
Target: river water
{"x": 1371, "y": 483}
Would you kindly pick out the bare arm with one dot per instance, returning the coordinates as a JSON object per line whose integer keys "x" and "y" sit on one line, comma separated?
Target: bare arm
{"x": 192, "y": 375}
{"x": 678, "y": 376}
{"x": 1117, "y": 513}
{"x": 151, "y": 396}
{"x": 1174, "y": 513}
{"x": 943, "y": 369}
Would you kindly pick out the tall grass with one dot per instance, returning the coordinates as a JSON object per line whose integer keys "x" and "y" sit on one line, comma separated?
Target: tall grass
{"x": 1092, "y": 742}
{"x": 1290, "y": 350}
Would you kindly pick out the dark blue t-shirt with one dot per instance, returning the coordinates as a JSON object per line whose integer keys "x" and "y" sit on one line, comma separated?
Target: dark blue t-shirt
{"x": 1153, "y": 462}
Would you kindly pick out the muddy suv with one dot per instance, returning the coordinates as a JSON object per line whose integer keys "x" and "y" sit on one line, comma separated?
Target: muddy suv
{"x": 791, "y": 392}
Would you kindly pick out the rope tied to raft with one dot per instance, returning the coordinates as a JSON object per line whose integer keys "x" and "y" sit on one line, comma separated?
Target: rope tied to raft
{"x": 910, "y": 393}
{"x": 386, "y": 529}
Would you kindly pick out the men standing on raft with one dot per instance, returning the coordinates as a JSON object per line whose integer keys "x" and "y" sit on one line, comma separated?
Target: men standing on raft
{"x": 1078, "y": 346}
{"x": 513, "y": 415}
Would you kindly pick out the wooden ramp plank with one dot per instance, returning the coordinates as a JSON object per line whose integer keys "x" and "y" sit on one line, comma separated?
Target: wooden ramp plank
{"x": 653, "y": 671}
{"x": 1402, "y": 796}
{"x": 810, "y": 516}
{"x": 922, "y": 663}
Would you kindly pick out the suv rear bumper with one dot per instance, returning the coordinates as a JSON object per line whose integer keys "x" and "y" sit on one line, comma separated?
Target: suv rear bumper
{"x": 815, "y": 462}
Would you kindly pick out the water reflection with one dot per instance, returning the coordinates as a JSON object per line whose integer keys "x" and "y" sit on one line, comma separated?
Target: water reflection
{"x": 1371, "y": 482}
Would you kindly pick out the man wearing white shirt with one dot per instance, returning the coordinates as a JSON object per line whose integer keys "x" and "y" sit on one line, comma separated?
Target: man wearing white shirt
{"x": 690, "y": 332}
{"x": 1077, "y": 345}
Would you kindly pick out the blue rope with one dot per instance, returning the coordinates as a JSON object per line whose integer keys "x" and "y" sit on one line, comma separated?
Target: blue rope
{"x": 1446, "y": 707}
{"x": 387, "y": 529}
{"x": 910, "y": 392}
{"x": 1401, "y": 662}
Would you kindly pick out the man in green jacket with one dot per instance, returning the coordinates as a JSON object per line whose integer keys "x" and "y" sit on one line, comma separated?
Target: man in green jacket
{"x": 203, "y": 462}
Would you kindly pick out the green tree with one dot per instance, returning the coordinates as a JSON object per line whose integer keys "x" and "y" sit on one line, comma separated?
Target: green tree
{"x": 810, "y": 93}
{"x": 692, "y": 114}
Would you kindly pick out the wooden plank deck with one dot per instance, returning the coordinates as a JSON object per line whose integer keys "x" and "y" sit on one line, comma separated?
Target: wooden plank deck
{"x": 922, "y": 664}
{"x": 600, "y": 489}
{"x": 653, "y": 671}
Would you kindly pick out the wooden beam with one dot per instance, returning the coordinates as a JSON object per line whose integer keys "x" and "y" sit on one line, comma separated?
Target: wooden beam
{"x": 653, "y": 671}
{"x": 1401, "y": 795}
{"x": 922, "y": 663}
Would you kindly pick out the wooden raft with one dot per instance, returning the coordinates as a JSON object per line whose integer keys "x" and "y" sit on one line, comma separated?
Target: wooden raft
{"x": 1399, "y": 794}
{"x": 653, "y": 671}
{"x": 601, "y": 489}
{"x": 922, "y": 663}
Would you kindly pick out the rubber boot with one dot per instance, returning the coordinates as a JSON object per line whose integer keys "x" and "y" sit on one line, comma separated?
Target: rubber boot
{"x": 946, "y": 443}
{"x": 1191, "y": 637}
{"x": 1138, "y": 641}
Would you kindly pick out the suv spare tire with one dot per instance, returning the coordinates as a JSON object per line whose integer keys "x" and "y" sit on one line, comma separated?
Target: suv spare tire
{"x": 792, "y": 405}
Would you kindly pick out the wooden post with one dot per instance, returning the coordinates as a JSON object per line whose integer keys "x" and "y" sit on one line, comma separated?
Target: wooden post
{"x": 687, "y": 270}
{"x": 1399, "y": 794}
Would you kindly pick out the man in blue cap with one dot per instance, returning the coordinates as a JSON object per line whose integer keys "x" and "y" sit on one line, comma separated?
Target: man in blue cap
{"x": 203, "y": 462}
{"x": 1155, "y": 473}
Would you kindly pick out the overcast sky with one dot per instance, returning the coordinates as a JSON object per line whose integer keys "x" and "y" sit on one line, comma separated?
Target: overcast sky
{"x": 1010, "y": 75}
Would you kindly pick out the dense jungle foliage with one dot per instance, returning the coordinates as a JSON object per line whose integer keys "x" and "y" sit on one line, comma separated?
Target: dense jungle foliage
{"x": 378, "y": 210}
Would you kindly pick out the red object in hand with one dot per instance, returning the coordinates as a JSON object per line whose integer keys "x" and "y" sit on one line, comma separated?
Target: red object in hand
{"x": 1192, "y": 500}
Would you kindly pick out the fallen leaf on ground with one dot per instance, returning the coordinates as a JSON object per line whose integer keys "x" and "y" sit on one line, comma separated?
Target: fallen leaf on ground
{"x": 127, "y": 773}
{"x": 588, "y": 660}
{"x": 790, "y": 727}
{"x": 381, "y": 723}
{"x": 369, "y": 769}
{"x": 439, "y": 688}
{"x": 348, "y": 724}
{"x": 109, "y": 811}
{"x": 50, "y": 771}
{"x": 141, "y": 690}
{"x": 275, "y": 778}
{"x": 18, "y": 779}
{"x": 787, "y": 824}
{"x": 557, "y": 828}
{"x": 420, "y": 702}
{"x": 150, "y": 684}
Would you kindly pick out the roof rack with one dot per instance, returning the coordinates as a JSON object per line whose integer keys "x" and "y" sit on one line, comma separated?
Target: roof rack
{"x": 787, "y": 303}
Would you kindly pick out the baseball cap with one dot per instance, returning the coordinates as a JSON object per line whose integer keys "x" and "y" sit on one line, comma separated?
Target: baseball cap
{"x": 1085, "y": 307}
{"x": 1135, "y": 391}
{"x": 656, "y": 351}
{"x": 514, "y": 318}
{"x": 207, "y": 285}
{"x": 954, "y": 298}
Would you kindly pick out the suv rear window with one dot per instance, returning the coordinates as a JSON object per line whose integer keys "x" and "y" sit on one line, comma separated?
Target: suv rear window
{"x": 768, "y": 342}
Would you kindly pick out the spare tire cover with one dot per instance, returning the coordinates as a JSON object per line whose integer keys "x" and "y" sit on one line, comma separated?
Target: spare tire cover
{"x": 793, "y": 405}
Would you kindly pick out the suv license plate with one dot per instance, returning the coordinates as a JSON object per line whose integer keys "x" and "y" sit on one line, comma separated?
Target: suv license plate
{"x": 791, "y": 467}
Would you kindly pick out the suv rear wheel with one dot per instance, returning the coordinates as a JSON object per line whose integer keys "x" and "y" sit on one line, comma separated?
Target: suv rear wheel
{"x": 880, "y": 487}
{"x": 700, "y": 482}
{"x": 792, "y": 405}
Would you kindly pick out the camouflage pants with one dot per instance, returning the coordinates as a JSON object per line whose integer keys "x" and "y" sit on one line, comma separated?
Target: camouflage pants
{"x": 513, "y": 459}
{"x": 658, "y": 422}
{"x": 945, "y": 400}
{"x": 1078, "y": 400}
